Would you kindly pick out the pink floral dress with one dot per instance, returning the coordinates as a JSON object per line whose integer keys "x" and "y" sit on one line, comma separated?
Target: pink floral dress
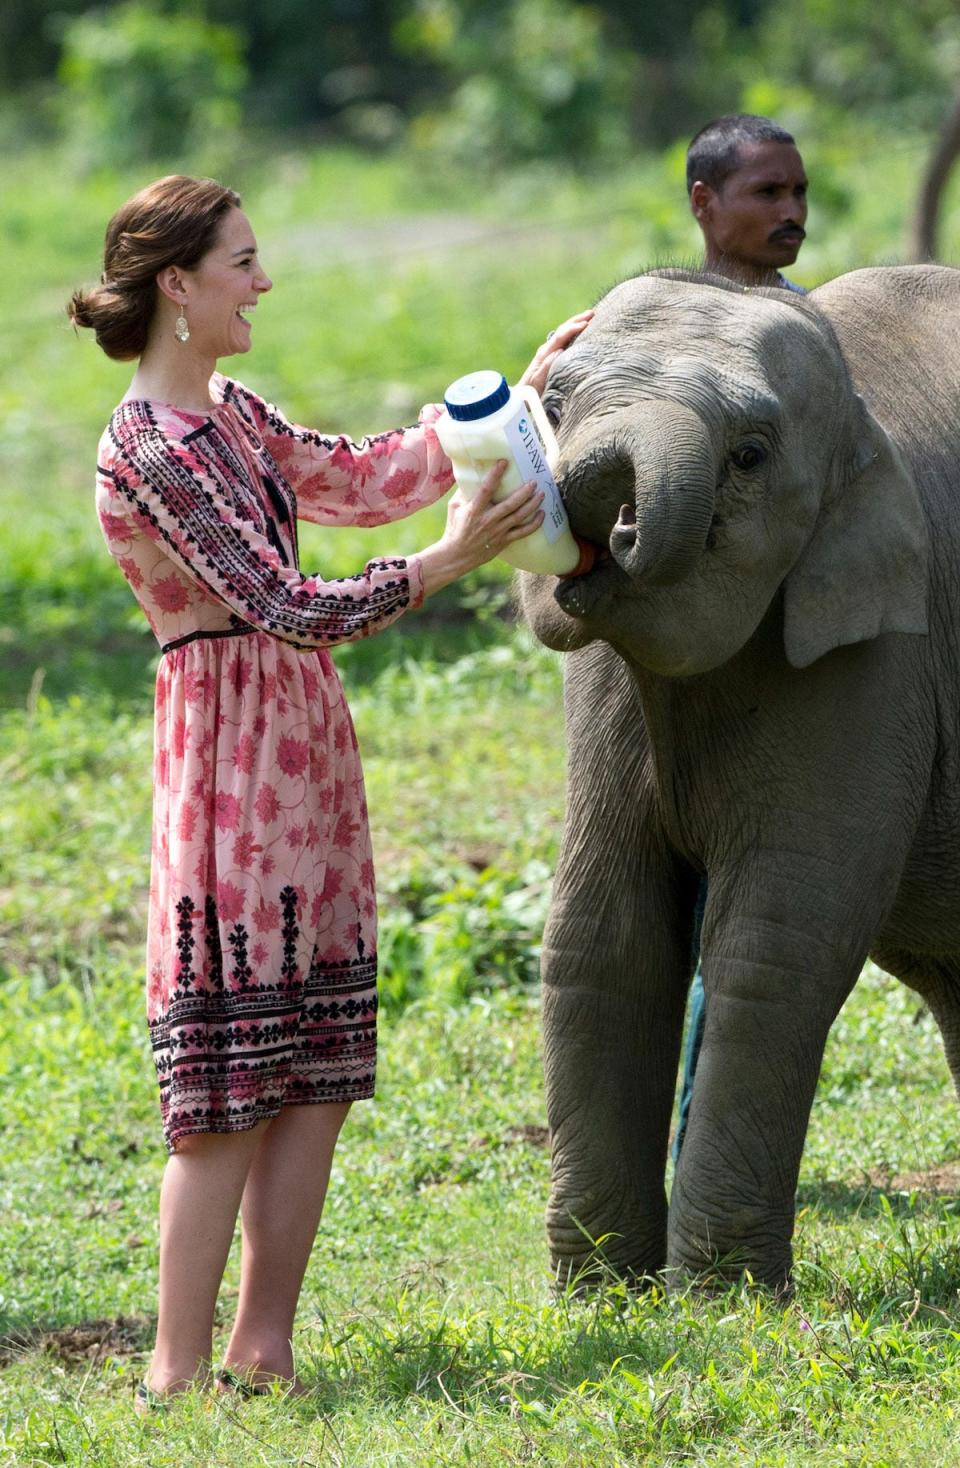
{"x": 261, "y": 949}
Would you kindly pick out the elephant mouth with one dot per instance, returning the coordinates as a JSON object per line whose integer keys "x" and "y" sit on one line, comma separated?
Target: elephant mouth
{"x": 583, "y": 596}
{"x": 600, "y": 555}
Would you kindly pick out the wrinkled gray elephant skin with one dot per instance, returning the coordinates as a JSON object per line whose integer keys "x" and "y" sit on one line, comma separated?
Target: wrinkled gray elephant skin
{"x": 762, "y": 686}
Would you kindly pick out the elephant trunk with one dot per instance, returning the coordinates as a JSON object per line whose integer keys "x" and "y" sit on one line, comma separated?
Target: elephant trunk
{"x": 673, "y": 466}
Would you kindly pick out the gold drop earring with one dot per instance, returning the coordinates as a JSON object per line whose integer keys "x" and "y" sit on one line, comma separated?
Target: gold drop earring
{"x": 181, "y": 328}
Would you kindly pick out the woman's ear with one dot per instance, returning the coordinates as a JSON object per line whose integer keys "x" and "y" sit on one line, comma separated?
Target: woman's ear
{"x": 170, "y": 284}
{"x": 864, "y": 569}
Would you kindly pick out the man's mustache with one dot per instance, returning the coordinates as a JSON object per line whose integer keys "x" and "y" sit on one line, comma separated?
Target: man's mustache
{"x": 788, "y": 232}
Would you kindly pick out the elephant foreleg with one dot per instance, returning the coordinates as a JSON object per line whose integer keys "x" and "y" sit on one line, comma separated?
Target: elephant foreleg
{"x": 616, "y": 967}
{"x": 784, "y": 944}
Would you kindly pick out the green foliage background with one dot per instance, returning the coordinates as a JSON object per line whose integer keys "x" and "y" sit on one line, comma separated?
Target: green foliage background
{"x": 501, "y": 80}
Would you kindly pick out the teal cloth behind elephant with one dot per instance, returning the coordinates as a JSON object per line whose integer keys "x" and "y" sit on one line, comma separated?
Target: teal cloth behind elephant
{"x": 762, "y": 685}
{"x": 696, "y": 1019}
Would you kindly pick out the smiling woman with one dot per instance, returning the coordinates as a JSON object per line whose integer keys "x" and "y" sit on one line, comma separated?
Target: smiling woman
{"x": 261, "y": 951}
{"x": 210, "y": 301}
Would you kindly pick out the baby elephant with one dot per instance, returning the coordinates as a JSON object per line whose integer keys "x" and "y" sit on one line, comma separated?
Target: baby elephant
{"x": 763, "y": 687}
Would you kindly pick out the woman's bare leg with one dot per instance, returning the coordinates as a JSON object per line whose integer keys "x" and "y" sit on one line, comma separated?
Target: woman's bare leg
{"x": 199, "y": 1199}
{"x": 282, "y": 1204}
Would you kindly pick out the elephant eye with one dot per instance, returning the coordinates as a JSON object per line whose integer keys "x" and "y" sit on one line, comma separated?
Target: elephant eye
{"x": 552, "y": 409}
{"x": 748, "y": 456}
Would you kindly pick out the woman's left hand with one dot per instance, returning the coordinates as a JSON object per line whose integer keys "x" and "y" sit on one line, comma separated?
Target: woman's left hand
{"x": 557, "y": 341}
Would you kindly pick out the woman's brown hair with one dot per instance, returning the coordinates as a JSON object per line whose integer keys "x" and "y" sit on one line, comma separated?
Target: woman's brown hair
{"x": 173, "y": 221}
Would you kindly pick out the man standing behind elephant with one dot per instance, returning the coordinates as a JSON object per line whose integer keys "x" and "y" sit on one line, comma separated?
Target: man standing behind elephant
{"x": 748, "y": 193}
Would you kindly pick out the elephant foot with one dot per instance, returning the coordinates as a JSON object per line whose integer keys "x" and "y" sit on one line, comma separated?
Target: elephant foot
{"x": 717, "y": 1232}
{"x": 712, "y": 1269}
{"x": 585, "y": 1259}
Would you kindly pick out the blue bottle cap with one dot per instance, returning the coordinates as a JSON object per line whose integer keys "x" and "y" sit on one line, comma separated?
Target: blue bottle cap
{"x": 476, "y": 395}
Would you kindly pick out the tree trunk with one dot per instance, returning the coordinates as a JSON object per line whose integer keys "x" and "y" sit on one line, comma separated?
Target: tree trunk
{"x": 942, "y": 159}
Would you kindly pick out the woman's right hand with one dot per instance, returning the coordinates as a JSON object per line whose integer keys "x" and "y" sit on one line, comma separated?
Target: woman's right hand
{"x": 477, "y": 530}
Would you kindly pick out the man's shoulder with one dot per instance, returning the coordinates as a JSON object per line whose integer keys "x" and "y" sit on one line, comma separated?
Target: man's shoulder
{"x": 789, "y": 285}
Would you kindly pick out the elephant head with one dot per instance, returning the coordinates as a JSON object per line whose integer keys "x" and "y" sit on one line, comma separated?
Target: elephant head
{"x": 712, "y": 441}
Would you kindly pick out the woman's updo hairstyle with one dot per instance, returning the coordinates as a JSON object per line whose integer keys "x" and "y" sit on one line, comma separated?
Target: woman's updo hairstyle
{"x": 171, "y": 222}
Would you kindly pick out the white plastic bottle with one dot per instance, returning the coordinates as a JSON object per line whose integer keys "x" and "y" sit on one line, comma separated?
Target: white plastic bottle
{"x": 485, "y": 420}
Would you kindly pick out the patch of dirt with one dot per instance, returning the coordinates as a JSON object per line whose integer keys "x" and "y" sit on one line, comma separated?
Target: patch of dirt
{"x": 534, "y": 1136}
{"x": 942, "y": 1179}
{"x": 524, "y": 1133}
{"x": 419, "y": 236}
{"x": 477, "y": 857}
{"x": 89, "y": 1340}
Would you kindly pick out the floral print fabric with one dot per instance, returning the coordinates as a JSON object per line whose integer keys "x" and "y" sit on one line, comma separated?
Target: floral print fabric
{"x": 261, "y": 948}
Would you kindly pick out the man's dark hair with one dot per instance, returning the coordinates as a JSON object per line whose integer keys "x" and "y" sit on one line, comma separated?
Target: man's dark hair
{"x": 715, "y": 151}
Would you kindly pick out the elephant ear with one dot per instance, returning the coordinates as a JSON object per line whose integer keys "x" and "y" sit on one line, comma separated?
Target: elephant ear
{"x": 864, "y": 569}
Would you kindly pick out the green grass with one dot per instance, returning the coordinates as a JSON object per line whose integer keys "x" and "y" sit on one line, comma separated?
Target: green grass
{"x": 430, "y": 1330}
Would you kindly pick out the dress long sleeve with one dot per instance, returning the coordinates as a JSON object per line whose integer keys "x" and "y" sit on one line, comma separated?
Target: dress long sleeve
{"x": 166, "y": 494}
{"x": 339, "y": 482}
{"x": 261, "y": 946}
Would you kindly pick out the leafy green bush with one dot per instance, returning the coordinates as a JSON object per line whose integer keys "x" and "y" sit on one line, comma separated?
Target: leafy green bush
{"x": 141, "y": 84}
{"x": 900, "y": 63}
{"x": 532, "y": 79}
{"x": 455, "y": 934}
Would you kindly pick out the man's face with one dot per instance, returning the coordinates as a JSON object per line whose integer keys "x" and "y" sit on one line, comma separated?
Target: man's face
{"x": 757, "y": 215}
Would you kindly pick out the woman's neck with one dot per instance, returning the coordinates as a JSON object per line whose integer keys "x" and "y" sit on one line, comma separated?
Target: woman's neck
{"x": 172, "y": 373}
